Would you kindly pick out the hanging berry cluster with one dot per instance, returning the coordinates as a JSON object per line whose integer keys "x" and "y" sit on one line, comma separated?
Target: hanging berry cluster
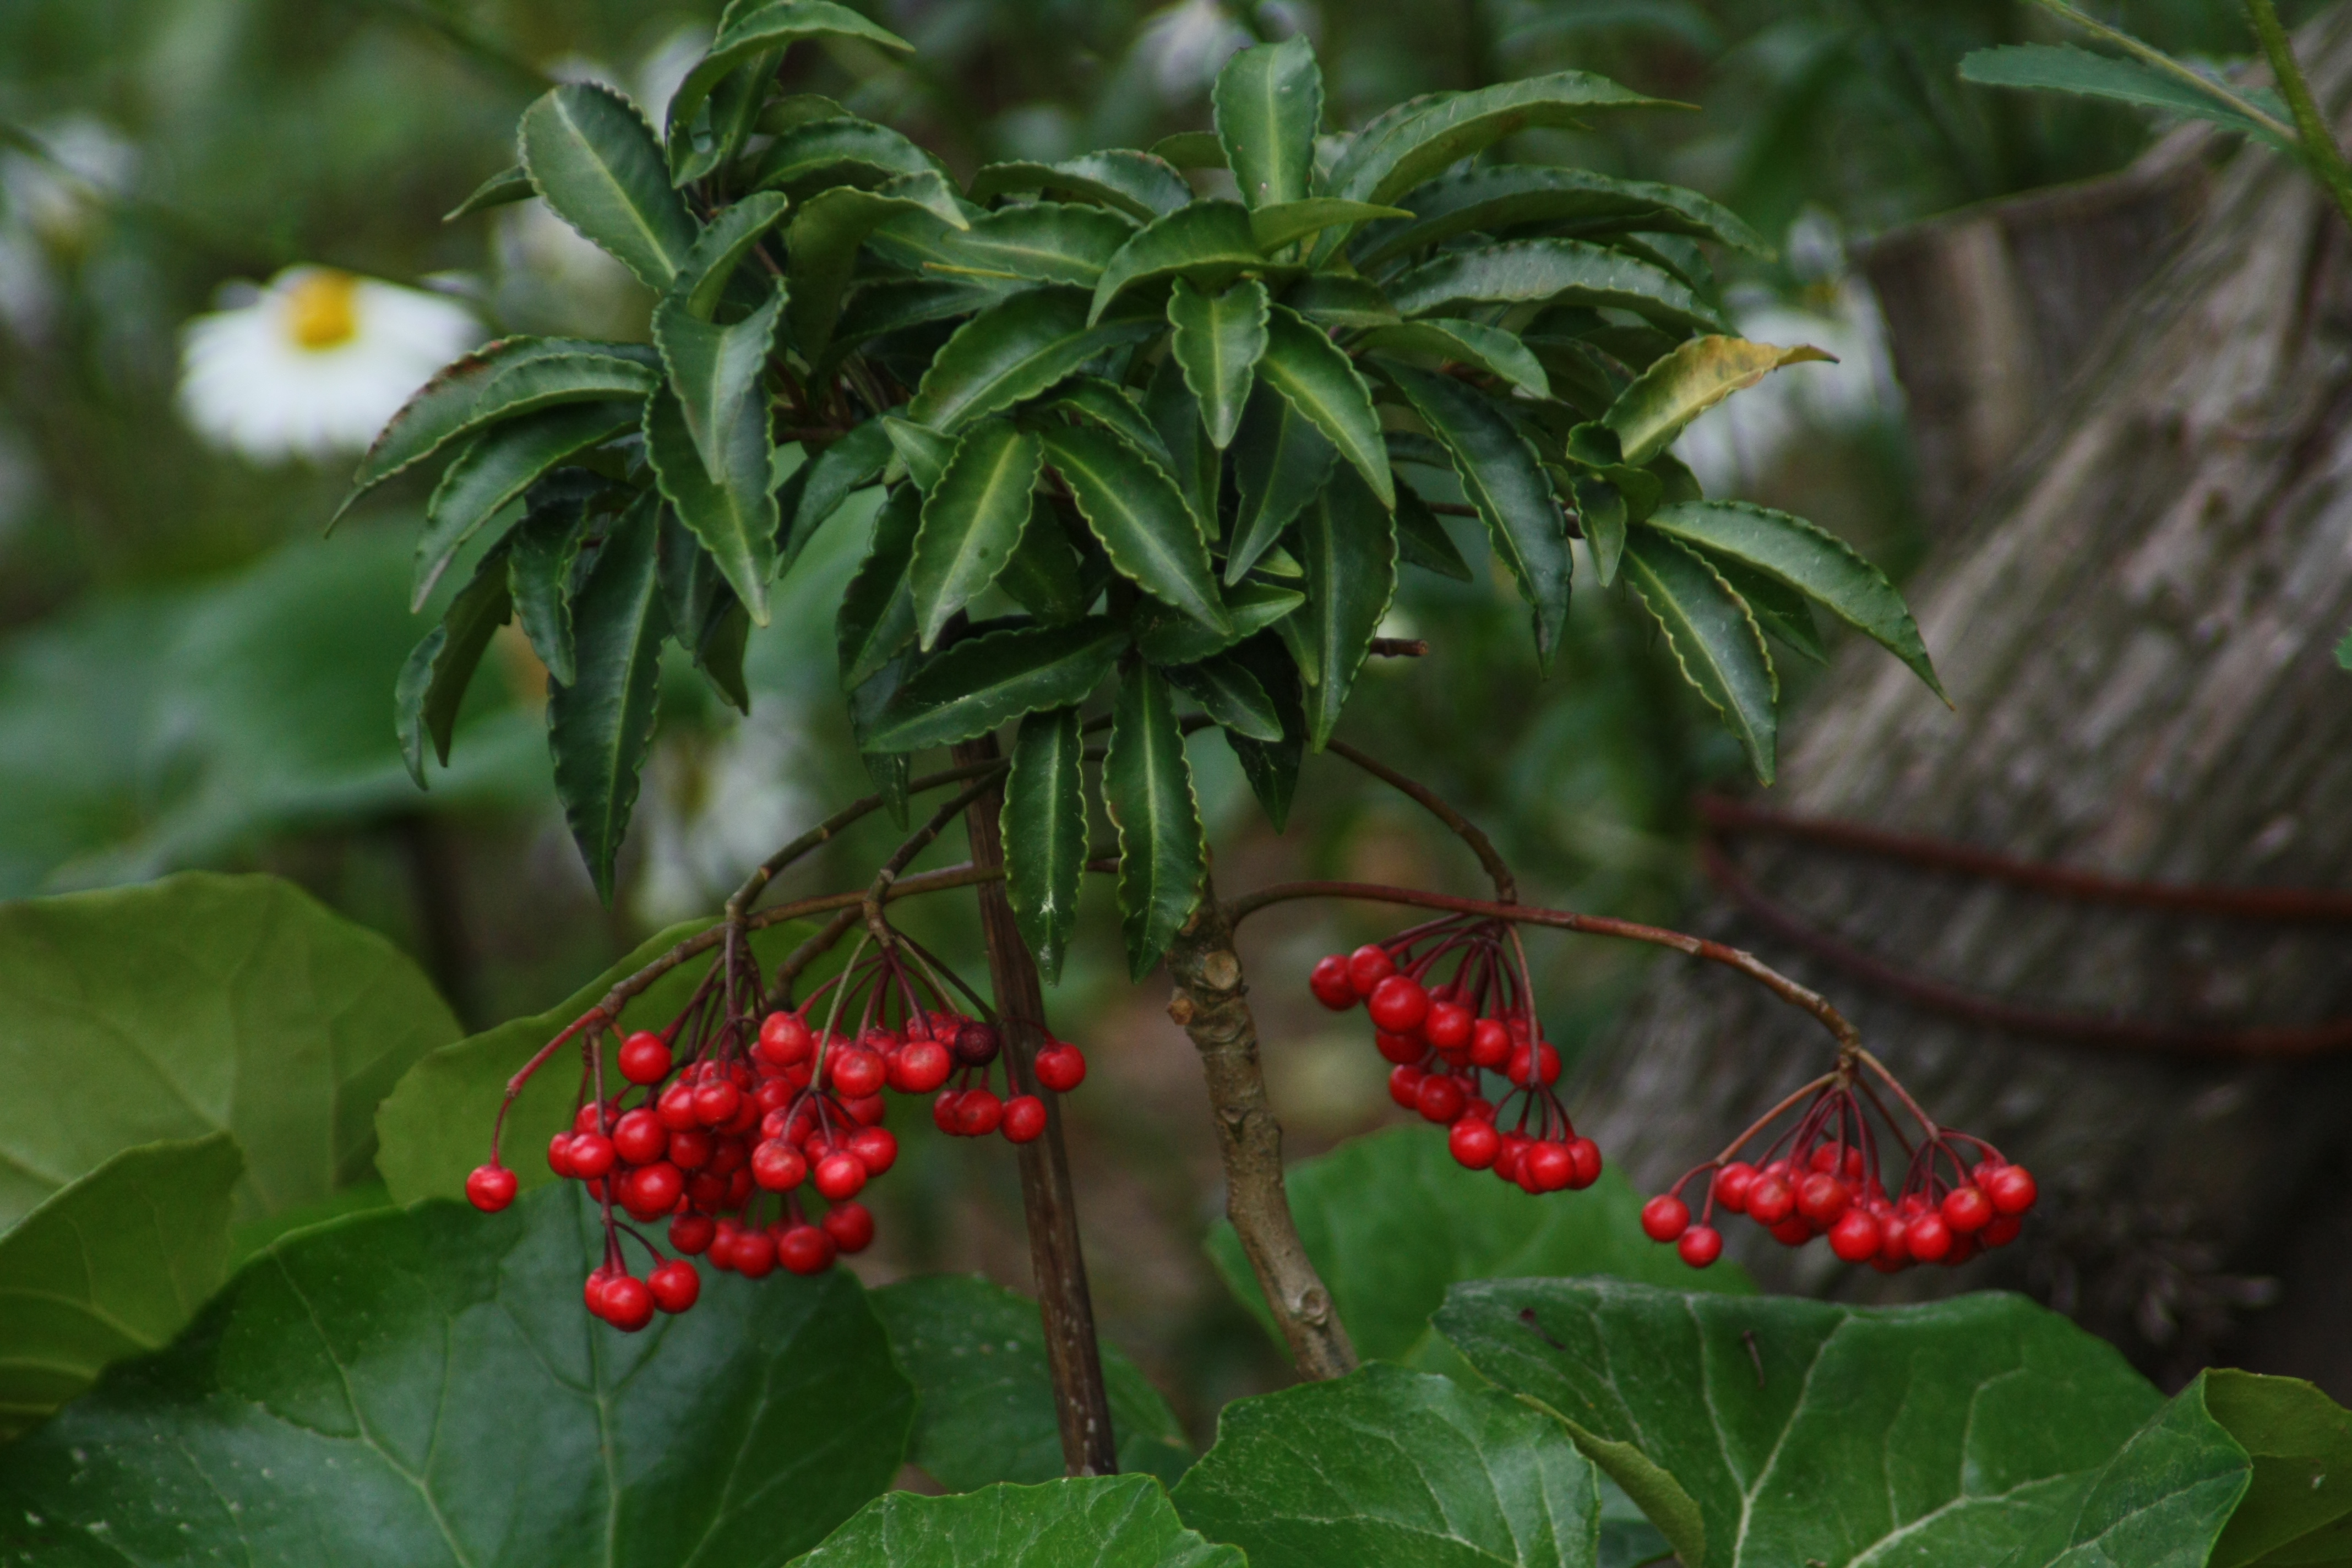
{"x": 729, "y": 1119}
{"x": 1451, "y": 1002}
{"x": 1821, "y": 1177}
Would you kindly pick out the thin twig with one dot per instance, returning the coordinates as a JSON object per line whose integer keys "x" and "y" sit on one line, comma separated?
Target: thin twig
{"x": 1506, "y": 887}
{"x": 823, "y": 833}
{"x": 2317, "y": 138}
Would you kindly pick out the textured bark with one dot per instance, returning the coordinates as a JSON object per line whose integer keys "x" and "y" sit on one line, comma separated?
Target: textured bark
{"x": 1212, "y": 1005}
{"x": 2135, "y": 627}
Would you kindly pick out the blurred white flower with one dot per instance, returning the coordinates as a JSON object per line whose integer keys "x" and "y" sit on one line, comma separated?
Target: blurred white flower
{"x": 659, "y": 73}
{"x": 1185, "y": 46}
{"x": 552, "y": 280}
{"x": 713, "y": 804}
{"x": 315, "y": 363}
{"x": 50, "y": 205}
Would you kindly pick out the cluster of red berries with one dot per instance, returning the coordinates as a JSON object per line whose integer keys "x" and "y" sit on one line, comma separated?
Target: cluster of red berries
{"x": 1958, "y": 1195}
{"x": 721, "y": 1136}
{"x": 1443, "y": 1034}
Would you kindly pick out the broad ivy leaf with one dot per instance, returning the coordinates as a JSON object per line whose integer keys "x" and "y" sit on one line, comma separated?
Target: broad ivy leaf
{"x": 1269, "y": 103}
{"x": 201, "y": 1003}
{"x": 1422, "y": 136}
{"x": 432, "y": 683}
{"x": 1714, "y": 638}
{"x": 1490, "y": 349}
{"x": 601, "y": 726}
{"x": 1012, "y": 352}
{"x": 2062, "y": 67}
{"x": 493, "y": 473}
{"x": 973, "y": 519}
{"x": 1085, "y": 1522}
{"x": 1217, "y": 341}
{"x": 1809, "y": 559}
{"x": 1045, "y": 242}
{"x": 1503, "y": 477}
{"x": 1574, "y": 201}
{"x": 1550, "y": 271}
{"x": 1322, "y": 382}
{"x": 507, "y": 186}
{"x": 1348, "y": 543}
{"x": 1141, "y": 519}
{"x": 1209, "y": 244}
{"x": 2299, "y": 1505}
{"x": 1272, "y": 766}
{"x": 1045, "y": 826}
{"x": 1281, "y": 463}
{"x": 543, "y": 553}
{"x": 1649, "y": 415}
{"x": 748, "y": 30}
{"x": 1391, "y": 1222}
{"x": 1148, "y": 788}
{"x": 984, "y": 1410}
{"x": 112, "y": 1264}
{"x": 594, "y": 159}
{"x": 983, "y": 682}
{"x": 823, "y": 239}
{"x": 1230, "y": 694}
{"x": 1165, "y": 636}
{"x": 364, "y": 1393}
{"x": 876, "y": 619}
{"x": 1391, "y": 1468}
{"x": 818, "y": 154}
{"x": 731, "y": 509}
{"x": 1767, "y": 1429}
{"x": 1137, "y": 184}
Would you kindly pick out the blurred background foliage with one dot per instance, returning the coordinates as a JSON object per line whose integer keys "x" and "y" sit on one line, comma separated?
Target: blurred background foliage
{"x": 189, "y": 676}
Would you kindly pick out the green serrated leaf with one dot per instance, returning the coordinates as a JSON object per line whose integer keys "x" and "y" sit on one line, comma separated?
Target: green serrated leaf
{"x": 1165, "y": 636}
{"x": 819, "y": 155}
{"x": 876, "y": 619}
{"x": 1419, "y": 137}
{"x": 822, "y": 241}
{"x": 1272, "y": 766}
{"x": 1045, "y": 242}
{"x": 1779, "y": 610}
{"x": 734, "y": 516}
{"x": 987, "y": 681}
{"x": 1044, "y": 825}
{"x": 601, "y": 726}
{"x": 433, "y": 682}
{"x": 1275, "y": 226}
{"x": 1347, "y": 541}
{"x": 2062, "y": 67}
{"x": 1043, "y": 574}
{"x": 711, "y": 264}
{"x": 1137, "y": 184}
{"x": 1601, "y": 511}
{"x": 1714, "y": 638}
{"x": 691, "y": 584}
{"x": 494, "y": 471}
{"x": 1217, "y": 342}
{"x": 1490, "y": 349}
{"x": 1421, "y": 539}
{"x": 1193, "y": 457}
{"x": 1190, "y": 150}
{"x": 1337, "y": 300}
{"x": 1086, "y": 1521}
{"x": 542, "y": 551}
{"x": 1569, "y": 201}
{"x": 1322, "y": 382}
{"x": 1269, "y": 104}
{"x": 715, "y": 371}
{"x": 895, "y": 304}
{"x": 1230, "y": 694}
{"x": 1141, "y": 519}
{"x": 1649, "y": 415}
{"x": 1012, "y": 352}
{"x": 749, "y": 31}
{"x": 1148, "y": 788}
{"x": 1109, "y": 404}
{"x": 712, "y": 136}
{"x": 1809, "y": 559}
{"x": 1503, "y": 477}
{"x": 819, "y": 486}
{"x": 510, "y": 185}
{"x": 923, "y": 450}
{"x": 1550, "y": 271}
{"x": 1281, "y": 463}
{"x": 1209, "y": 244}
{"x": 973, "y": 519}
{"x": 594, "y": 158}
{"x": 2298, "y": 1508}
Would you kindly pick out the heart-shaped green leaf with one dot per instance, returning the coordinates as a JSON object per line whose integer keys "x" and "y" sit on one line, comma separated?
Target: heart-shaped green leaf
{"x": 1148, "y": 788}
{"x": 1045, "y": 826}
{"x": 1089, "y": 1521}
{"x": 1268, "y": 105}
{"x": 594, "y": 159}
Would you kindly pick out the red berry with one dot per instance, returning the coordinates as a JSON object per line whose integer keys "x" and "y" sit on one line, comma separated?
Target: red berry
{"x": 721, "y": 1254}
{"x": 975, "y": 1044}
{"x": 944, "y": 1109}
{"x": 978, "y": 1113}
{"x": 1480, "y": 1107}
{"x": 786, "y": 1038}
{"x": 1404, "y": 1085}
{"x": 1474, "y": 1143}
{"x": 1448, "y": 1026}
{"x": 692, "y": 1149}
{"x": 1490, "y": 1044}
{"x": 777, "y": 1165}
{"x": 727, "y": 1155}
{"x": 875, "y": 1148}
{"x": 867, "y": 1110}
{"x": 594, "y": 1291}
{"x": 1586, "y": 1153}
{"x": 805, "y": 1249}
{"x": 652, "y": 1190}
{"x": 1665, "y": 1217}
{"x": 840, "y": 1175}
{"x": 676, "y": 1107}
{"x": 1700, "y": 1246}
{"x": 1367, "y": 967}
{"x": 1329, "y": 982}
{"x": 1402, "y": 1050}
{"x": 2012, "y": 1189}
{"x": 1966, "y": 1209}
{"x": 715, "y": 1102}
{"x": 676, "y": 1285}
{"x": 1856, "y": 1236}
{"x": 1546, "y": 1066}
{"x": 1398, "y": 1004}
{"x": 1820, "y": 1198}
{"x": 920, "y": 1066}
{"x": 1769, "y": 1200}
{"x": 1794, "y": 1231}
{"x": 558, "y": 1154}
{"x": 639, "y": 1137}
{"x": 590, "y": 1154}
{"x": 855, "y": 1072}
{"x": 1927, "y": 1238}
{"x": 755, "y": 1255}
{"x": 490, "y": 1188}
{"x": 2003, "y": 1230}
{"x": 645, "y": 1058}
{"x": 1507, "y": 1158}
{"x": 1061, "y": 1068}
{"x": 1024, "y": 1119}
{"x": 1894, "y": 1242}
{"x": 707, "y": 1190}
{"x": 851, "y": 1225}
{"x": 1551, "y": 1164}
{"x": 693, "y": 1232}
{"x": 628, "y": 1304}
{"x": 1732, "y": 1184}
{"x": 1439, "y": 1098}
{"x": 589, "y": 1118}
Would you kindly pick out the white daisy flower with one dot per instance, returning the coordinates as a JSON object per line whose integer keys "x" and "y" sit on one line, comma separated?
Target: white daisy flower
{"x": 315, "y": 363}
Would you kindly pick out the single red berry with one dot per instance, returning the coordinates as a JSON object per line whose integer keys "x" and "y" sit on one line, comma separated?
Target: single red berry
{"x": 692, "y": 1149}
{"x": 855, "y": 1072}
{"x": 628, "y": 1304}
{"x": 805, "y": 1249}
{"x": 978, "y": 1115}
{"x": 594, "y": 1291}
{"x": 1586, "y": 1153}
{"x": 1665, "y": 1217}
{"x": 1061, "y": 1068}
{"x": 851, "y": 1225}
{"x": 1024, "y": 1119}
{"x": 559, "y": 1154}
{"x": 1404, "y": 1087}
{"x": 786, "y": 1038}
{"x": 1329, "y": 982}
{"x": 589, "y": 1118}
{"x": 1480, "y": 1107}
{"x": 1545, "y": 1064}
{"x": 1398, "y": 1004}
{"x": 1448, "y": 1026}
{"x": 1927, "y": 1238}
{"x": 777, "y": 1166}
{"x": 651, "y": 1190}
{"x": 1367, "y": 967}
{"x": 1769, "y": 1200}
{"x": 2003, "y": 1230}
{"x": 639, "y": 1137}
{"x": 491, "y": 1187}
{"x": 1439, "y": 1098}
{"x": 721, "y": 1254}
{"x": 727, "y": 1155}
{"x": 1822, "y": 1198}
{"x": 945, "y": 1112}
{"x": 1700, "y": 1246}
{"x": 2012, "y": 1189}
{"x": 676, "y": 1107}
{"x": 1794, "y": 1231}
{"x": 676, "y": 1285}
{"x": 715, "y": 1102}
{"x": 707, "y": 1190}
{"x": 1732, "y": 1184}
{"x": 976, "y": 1043}
{"x": 590, "y": 1154}
{"x": 693, "y": 1233}
{"x": 1507, "y": 1157}
{"x": 840, "y": 1175}
{"x": 1490, "y": 1044}
{"x": 1402, "y": 1050}
{"x": 920, "y": 1066}
{"x": 1474, "y": 1143}
{"x": 755, "y": 1255}
{"x": 1894, "y": 1241}
{"x": 1552, "y": 1165}
{"x": 645, "y": 1058}
{"x": 867, "y": 1110}
{"x": 1966, "y": 1209}
{"x": 1856, "y": 1238}
{"x": 877, "y": 1149}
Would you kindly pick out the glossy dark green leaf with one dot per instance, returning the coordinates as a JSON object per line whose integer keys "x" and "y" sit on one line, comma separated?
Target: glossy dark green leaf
{"x": 594, "y": 159}
{"x": 1012, "y": 352}
{"x": 1347, "y": 541}
{"x": 895, "y": 304}
{"x": 2062, "y": 67}
{"x": 1137, "y": 184}
{"x": 1339, "y": 300}
{"x": 2298, "y": 1508}
{"x": 1490, "y": 349}
{"x": 507, "y": 186}
{"x": 1208, "y": 242}
{"x": 1714, "y": 638}
{"x": 1044, "y": 825}
{"x": 1421, "y": 539}
{"x": 1217, "y": 341}
{"x": 711, "y": 264}
{"x": 973, "y": 519}
{"x": 819, "y": 155}
{"x": 1759, "y": 1430}
{"x": 1322, "y": 382}
{"x": 1148, "y": 788}
{"x": 986, "y": 680}
{"x": 892, "y": 773}
{"x": 1043, "y": 576}
{"x": 543, "y": 553}
{"x": 1809, "y": 559}
{"x": 876, "y": 619}
{"x": 1272, "y": 766}
{"x": 691, "y": 584}
{"x": 1193, "y": 457}
{"x": 716, "y": 129}
{"x": 1046, "y": 242}
{"x": 1269, "y": 104}
{"x": 923, "y": 450}
{"x": 748, "y": 31}
{"x": 1281, "y": 463}
{"x": 848, "y": 466}
{"x": 372, "y": 1392}
{"x": 1088, "y": 1521}
{"x": 734, "y": 515}
{"x": 1275, "y": 226}
{"x": 1167, "y": 636}
{"x": 492, "y": 474}
{"x": 1190, "y": 150}
{"x": 719, "y": 653}
{"x": 984, "y": 1415}
{"x": 112, "y": 1265}
{"x": 1555, "y": 271}
{"x": 1779, "y": 610}
{"x": 1419, "y": 137}
{"x": 1391, "y": 1468}
{"x": 1230, "y": 694}
{"x": 1109, "y": 406}
{"x": 1649, "y": 415}
{"x": 1602, "y": 514}
{"x": 433, "y": 682}
{"x": 823, "y": 239}
{"x": 1502, "y": 477}
{"x": 1577, "y": 201}
{"x": 1140, "y": 518}
{"x": 601, "y": 726}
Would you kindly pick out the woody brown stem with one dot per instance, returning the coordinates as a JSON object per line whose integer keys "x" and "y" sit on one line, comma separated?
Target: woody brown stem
{"x": 1212, "y": 1005}
{"x": 1081, "y": 1401}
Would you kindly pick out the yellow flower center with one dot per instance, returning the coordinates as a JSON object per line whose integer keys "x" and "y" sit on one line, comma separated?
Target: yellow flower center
{"x": 319, "y": 312}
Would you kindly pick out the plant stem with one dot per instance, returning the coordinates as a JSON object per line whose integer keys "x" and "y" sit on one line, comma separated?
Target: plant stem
{"x": 1081, "y": 1401}
{"x": 2318, "y": 139}
{"x": 2156, "y": 59}
{"x": 1212, "y": 1005}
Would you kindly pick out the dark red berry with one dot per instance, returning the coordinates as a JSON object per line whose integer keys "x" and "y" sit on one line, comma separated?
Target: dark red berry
{"x": 715, "y": 1102}
{"x": 594, "y": 1291}
{"x": 777, "y": 1166}
{"x": 855, "y": 1072}
{"x": 1061, "y": 1068}
{"x": 490, "y": 1188}
{"x": 2003, "y": 1230}
{"x": 978, "y": 1113}
{"x": 1490, "y": 1044}
{"x": 945, "y": 1109}
{"x": 1927, "y": 1238}
{"x": 1398, "y": 1004}
{"x": 1448, "y": 1026}
{"x": 877, "y": 1149}
{"x": 805, "y": 1249}
{"x": 692, "y": 1149}
{"x": 1769, "y": 1200}
{"x": 1474, "y": 1143}
{"x": 1822, "y": 1198}
{"x": 1966, "y": 1209}
{"x": 1700, "y": 1246}
{"x": 786, "y": 1038}
{"x": 1856, "y": 1236}
{"x": 639, "y": 1137}
{"x": 840, "y": 1175}
{"x": 676, "y": 1107}
{"x": 1794, "y": 1231}
{"x": 693, "y": 1233}
{"x": 851, "y": 1225}
{"x": 1552, "y": 1165}
{"x": 1507, "y": 1158}
{"x": 1665, "y": 1217}
{"x": 628, "y": 1304}
{"x": 1024, "y": 1119}
{"x": 1586, "y": 1153}
{"x": 589, "y": 1118}
{"x": 1367, "y": 967}
{"x": 1439, "y": 1098}
{"x": 676, "y": 1285}
{"x": 558, "y": 1154}
{"x": 645, "y": 1058}
{"x": 1330, "y": 985}
{"x": 1732, "y": 1184}
{"x": 1542, "y": 1061}
{"x": 755, "y": 1255}
{"x": 1404, "y": 1087}
{"x": 976, "y": 1043}
{"x": 1402, "y": 1050}
{"x": 590, "y": 1154}
{"x": 2012, "y": 1189}
{"x": 651, "y": 1190}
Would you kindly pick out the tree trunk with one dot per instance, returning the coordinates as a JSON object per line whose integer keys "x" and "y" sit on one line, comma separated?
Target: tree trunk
{"x": 2135, "y": 627}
